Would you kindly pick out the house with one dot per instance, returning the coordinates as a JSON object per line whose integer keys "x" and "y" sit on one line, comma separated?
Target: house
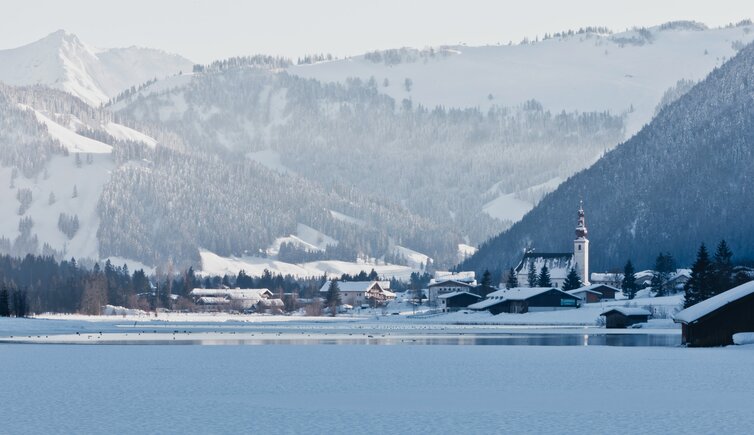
{"x": 587, "y": 296}
{"x": 457, "y": 300}
{"x": 234, "y": 299}
{"x": 559, "y": 264}
{"x": 437, "y": 288}
{"x": 527, "y": 299}
{"x": 643, "y": 278}
{"x": 623, "y": 317}
{"x": 360, "y": 292}
{"x": 678, "y": 280}
{"x": 612, "y": 279}
{"x": 607, "y": 292}
{"x": 714, "y": 321}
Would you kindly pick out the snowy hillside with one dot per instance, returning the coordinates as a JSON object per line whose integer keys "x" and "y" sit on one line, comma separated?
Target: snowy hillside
{"x": 584, "y": 71}
{"x": 62, "y": 61}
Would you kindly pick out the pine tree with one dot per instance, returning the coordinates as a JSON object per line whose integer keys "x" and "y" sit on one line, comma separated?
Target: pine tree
{"x": 572, "y": 281}
{"x": 629, "y": 281}
{"x": 4, "y": 302}
{"x": 699, "y": 286}
{"x": 512, "y": 281}
{"x": 332, "y": 300}
{"x": 664, "y": 268}
{"x": 532, "y": 275}
{"x": 722, "y": 266}
{"x": 544, "y": 277}
{"x": 485, "y": 287}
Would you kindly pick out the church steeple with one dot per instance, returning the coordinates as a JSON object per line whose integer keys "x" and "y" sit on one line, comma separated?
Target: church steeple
{"x": 581, "y": 247}
{"x": 581, "y": 231}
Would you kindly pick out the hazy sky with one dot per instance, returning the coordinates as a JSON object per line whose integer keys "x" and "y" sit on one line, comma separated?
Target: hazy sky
{"x": 203, "y": 30}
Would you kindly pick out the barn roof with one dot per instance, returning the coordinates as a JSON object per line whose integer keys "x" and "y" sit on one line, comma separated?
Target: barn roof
{"x": 522, "y": 293}
{"x": 696, "y": 312}
{"x": 483, "y": 305}
{"x": 583, "y": 290}
{"x": 454, "y": 294}
{"x": 596, "y": 286}
{"x": 628, "y": 311}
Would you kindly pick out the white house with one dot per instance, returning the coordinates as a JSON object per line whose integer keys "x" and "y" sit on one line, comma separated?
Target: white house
{"x": 360, "y": 292}
{"x": 239, "y": 299}
{"x": 437, "y": 288}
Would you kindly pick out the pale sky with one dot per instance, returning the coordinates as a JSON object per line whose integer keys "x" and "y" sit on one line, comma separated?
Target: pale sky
{"x": 204, "y": 30}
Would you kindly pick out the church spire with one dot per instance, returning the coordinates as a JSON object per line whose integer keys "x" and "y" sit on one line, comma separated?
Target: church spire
{"x": 581, "y": 231}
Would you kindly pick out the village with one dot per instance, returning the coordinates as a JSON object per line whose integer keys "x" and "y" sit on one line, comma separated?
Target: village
{"x": 543, "y": 289}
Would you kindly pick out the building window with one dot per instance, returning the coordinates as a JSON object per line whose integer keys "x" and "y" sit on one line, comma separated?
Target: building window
{"x": 579, "y": 247}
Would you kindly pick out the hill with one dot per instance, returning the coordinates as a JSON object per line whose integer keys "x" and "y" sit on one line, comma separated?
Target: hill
{"x": 683, "y": 179}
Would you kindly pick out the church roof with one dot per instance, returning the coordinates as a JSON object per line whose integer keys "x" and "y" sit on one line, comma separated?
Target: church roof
{"x": 558, "y": 263}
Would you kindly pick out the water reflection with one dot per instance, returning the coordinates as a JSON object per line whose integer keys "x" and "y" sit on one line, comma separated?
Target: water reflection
{"x": 516, "y": 339}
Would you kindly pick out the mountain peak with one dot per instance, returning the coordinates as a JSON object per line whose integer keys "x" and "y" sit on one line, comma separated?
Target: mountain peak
{"x": 61, "y": 35}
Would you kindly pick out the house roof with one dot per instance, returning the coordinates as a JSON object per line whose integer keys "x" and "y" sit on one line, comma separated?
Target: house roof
{"x": 596, "y": 286}
{"x": 213, "y": 300}
{"x": 522, "y": 293}
{"x": 235, "y": 294}
{"x": 606, "y": 277}
{"x": 628, "y": 311}
{"x": 351, "y": 286}
{"x": 583, "y": 290}
{"x": 450, "y": 282}
{"x": 696, "y": 312}
{"x": 454, "y": 294}
{"x": 481, "y": 305}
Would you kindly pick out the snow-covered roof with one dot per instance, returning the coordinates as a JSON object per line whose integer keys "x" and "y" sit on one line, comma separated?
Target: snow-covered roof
{"x": 451, "y": 283}
{"x": 351, "y": 286}
{"x": 481, "y": 305}
{"x": 272, "y": 302}
{"x": 235, "y": 294}
{"x": 521, "y": 293}
{"x": 463, "y": 276}
{"x": 456, "y": 293}
{"x": 212, "y": 300}
{"x": 592, "y": 287}
{"x": 696, "y": 312}
{"x": 605, "y": 277}
{"x": 583, "y": 290}
{"x": 628, "y": 311}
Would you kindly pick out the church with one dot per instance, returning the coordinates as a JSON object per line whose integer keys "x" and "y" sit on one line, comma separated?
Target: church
{"x": 559, "y": 264}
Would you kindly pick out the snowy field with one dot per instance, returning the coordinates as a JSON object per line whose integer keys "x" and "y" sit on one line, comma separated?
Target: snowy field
{"x": 375, "y": 389}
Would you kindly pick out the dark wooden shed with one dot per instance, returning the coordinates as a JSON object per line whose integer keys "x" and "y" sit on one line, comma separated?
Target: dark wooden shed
{"x": 714, "y": 321}
{"x": 527, "y": 299}
{"x": 457, "y": 300}
{"x": 623, "y": 317}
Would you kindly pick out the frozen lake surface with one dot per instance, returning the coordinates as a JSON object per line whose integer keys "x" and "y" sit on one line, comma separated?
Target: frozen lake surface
{"x": 360, "y": 331}
{"x": 375, "y": 389}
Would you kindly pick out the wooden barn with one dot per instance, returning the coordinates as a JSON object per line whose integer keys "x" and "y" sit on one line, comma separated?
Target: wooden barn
{"x": 457, "y": 300}
{"x": 623, "y": 317}
{"x": 586, "y": 295}
{"x": 714, "y": 321}
{"x": 527, "y": 299}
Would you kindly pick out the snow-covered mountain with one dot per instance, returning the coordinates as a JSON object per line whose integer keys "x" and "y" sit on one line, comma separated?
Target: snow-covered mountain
{"x": 684, "y": 179}
{"x": 588, "y": 70}
{"x": 61, "y": 61}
